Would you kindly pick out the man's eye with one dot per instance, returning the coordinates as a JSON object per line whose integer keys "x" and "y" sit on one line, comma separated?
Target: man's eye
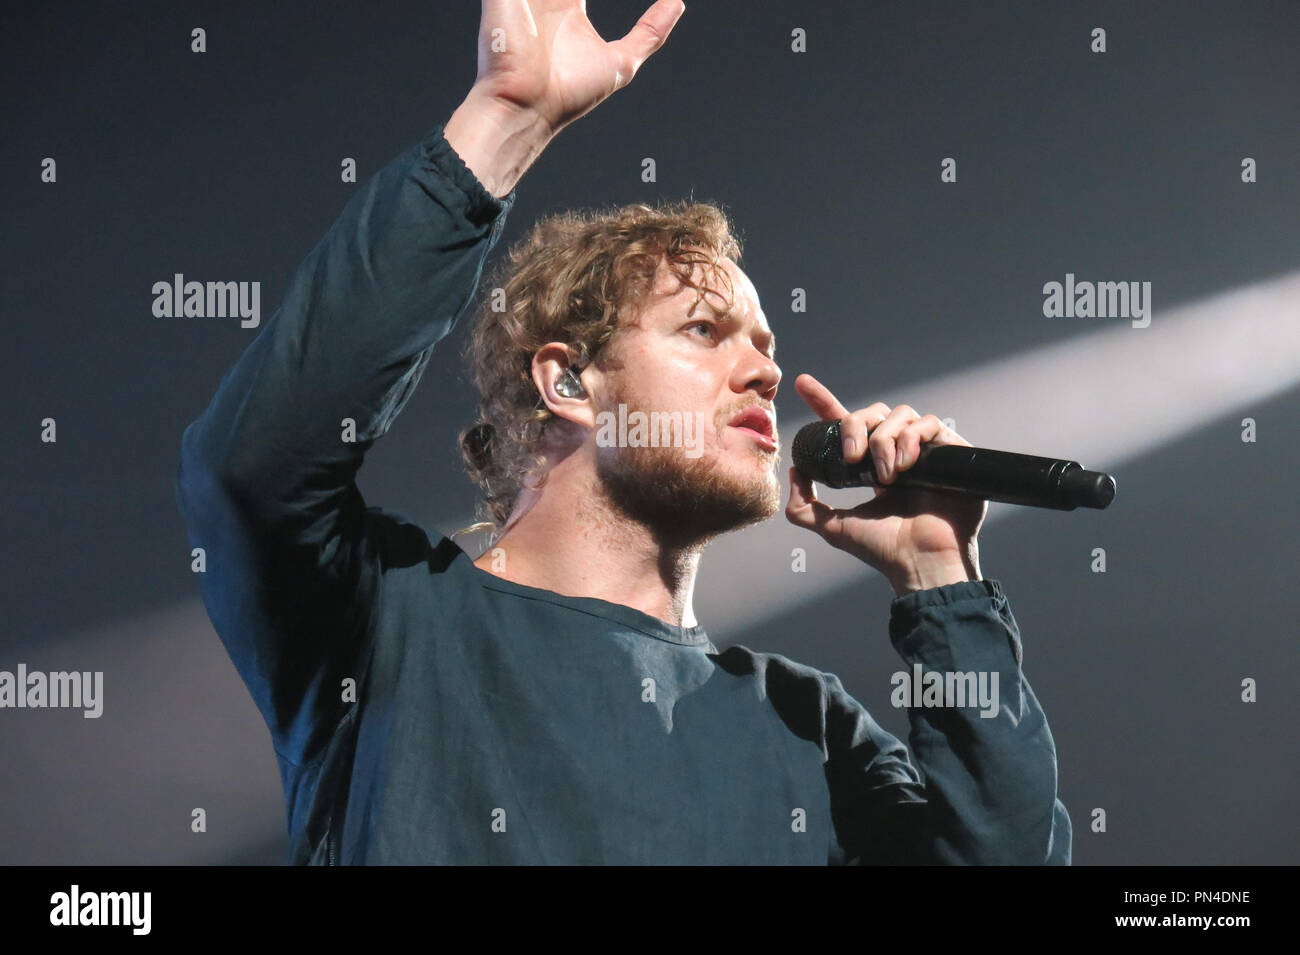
{"x": 707, "y": 326}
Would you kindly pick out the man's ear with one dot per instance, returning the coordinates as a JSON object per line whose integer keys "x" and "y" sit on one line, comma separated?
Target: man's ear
{"x": 561, "y": 386}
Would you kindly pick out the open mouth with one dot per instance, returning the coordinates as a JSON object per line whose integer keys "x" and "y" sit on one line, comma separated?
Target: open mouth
{"x": 758, "y": 423}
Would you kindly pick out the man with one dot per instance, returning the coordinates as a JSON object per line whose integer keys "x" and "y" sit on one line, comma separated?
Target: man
{"x": 555, "y": 700}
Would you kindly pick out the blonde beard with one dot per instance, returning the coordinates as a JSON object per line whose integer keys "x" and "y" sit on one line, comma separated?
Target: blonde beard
{"x": 683, "y": 500}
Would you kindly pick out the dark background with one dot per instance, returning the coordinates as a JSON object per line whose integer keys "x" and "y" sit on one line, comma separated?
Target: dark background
{"x": 225, "y": 166}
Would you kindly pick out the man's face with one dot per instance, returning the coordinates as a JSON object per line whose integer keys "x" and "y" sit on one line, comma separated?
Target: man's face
{"x": 687, "y": 354}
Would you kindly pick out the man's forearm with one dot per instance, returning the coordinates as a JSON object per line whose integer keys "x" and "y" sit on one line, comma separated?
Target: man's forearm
{"x": 497, "y": 141}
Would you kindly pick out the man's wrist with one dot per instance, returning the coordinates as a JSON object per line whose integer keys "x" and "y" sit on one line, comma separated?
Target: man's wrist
{"x": 496, "y": 141}
{"x": 935, "y": 570}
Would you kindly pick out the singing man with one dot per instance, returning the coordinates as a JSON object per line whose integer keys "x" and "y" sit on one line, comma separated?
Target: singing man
{"x": 555, "y": 700}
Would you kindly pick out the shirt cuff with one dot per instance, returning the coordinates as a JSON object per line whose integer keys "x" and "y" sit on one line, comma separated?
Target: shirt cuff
{"x": 919, "y": 617}
{"x": 482, "y": 208}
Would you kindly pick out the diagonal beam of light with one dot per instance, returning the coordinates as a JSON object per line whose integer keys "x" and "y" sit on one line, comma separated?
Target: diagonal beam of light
{"x": 1101, "y": 399}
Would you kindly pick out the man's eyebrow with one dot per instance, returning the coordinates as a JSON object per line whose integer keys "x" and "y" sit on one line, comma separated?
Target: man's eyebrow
{"x": 731, "y": 315}
{"x": 768, "y": 337}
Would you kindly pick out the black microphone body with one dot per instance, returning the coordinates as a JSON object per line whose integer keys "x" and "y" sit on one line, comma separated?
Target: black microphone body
{"x": 979, "y": 472}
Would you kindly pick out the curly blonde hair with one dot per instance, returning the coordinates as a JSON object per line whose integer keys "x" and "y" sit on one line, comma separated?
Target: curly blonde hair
{"x": 568, "y": 280}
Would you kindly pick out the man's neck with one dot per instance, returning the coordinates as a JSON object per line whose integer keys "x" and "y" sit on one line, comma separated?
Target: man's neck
{"x": 591, "y": 551}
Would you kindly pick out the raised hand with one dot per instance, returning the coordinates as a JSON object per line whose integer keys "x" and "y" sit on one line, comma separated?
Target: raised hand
{"x": 544, "y": 56}
{"x": 541, "y": 65}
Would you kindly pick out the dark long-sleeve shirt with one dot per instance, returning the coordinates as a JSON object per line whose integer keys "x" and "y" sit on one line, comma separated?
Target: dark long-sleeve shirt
{"x": 425, "y": 711}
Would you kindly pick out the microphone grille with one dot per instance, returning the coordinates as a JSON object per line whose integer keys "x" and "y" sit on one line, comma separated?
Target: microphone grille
{"x": 812, "y": 443}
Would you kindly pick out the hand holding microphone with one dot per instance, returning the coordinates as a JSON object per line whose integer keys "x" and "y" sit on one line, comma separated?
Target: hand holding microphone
{"x": 959, "y": 468}
{"x": 926, "y": 536}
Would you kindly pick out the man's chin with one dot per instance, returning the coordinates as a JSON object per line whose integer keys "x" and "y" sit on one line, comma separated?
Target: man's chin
{"x": 686, "y": 500}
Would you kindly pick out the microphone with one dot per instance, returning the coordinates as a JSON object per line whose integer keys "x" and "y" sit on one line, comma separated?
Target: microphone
{"x": 993, "y": 475}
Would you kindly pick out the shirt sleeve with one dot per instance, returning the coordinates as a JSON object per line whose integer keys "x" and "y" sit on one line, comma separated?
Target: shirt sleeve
{"x": 984, "y": 788}
{"x": 266, "y": 479}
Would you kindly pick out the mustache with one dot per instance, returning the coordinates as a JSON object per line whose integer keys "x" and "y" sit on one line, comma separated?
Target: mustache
{"x": 721, "y": 419}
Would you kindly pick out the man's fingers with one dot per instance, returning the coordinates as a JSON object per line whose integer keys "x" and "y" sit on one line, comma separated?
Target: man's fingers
{"x": 647, "y": 36}
{"x": 803, "y": 509}
{"x": 802, "y": 492}
{"x": 883, "y": 441}
{"x": 856, "y": 428}
{"x": 824, "y": 404}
